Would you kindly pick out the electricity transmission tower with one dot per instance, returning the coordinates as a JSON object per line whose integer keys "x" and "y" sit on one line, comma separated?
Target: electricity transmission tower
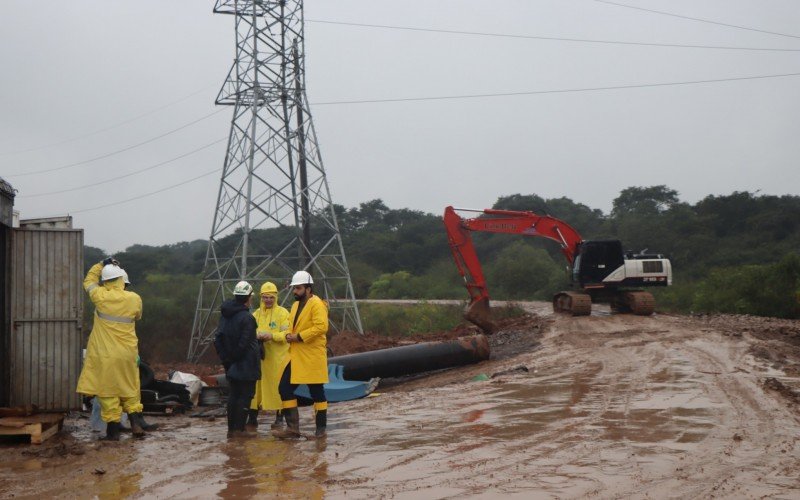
{"x": 274, "y": 213}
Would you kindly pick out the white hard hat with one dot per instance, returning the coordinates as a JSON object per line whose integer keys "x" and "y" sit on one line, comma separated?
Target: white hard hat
{"x": 301, "y": 278}
{"x": 242, "y": 288}
{"x": 125, "y": 277}
{"x": 110, "y": 272}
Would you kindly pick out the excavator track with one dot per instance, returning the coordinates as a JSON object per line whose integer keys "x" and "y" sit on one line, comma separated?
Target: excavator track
{"x": 574, "y": 303}
{"x": 639, "y": 302}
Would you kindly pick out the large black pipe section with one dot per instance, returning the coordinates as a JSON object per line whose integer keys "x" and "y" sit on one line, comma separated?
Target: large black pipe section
{"x": 411, "y": 359}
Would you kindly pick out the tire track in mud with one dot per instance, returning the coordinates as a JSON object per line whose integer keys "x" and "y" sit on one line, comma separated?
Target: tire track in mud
{"x": 755, "y": 433}
{"x": 618, "y": 406}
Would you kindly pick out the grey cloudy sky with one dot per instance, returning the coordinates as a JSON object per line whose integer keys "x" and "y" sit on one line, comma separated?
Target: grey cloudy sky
{"x": 71, "y": 69}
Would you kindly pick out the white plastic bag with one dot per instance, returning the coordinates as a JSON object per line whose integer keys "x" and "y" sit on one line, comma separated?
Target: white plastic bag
{"x": 192, "y": 382}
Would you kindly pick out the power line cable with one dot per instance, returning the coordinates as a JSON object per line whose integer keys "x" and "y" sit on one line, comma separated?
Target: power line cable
{"x": 549, "y": 38}
{"x": 465, "y": 97}
{"x": 555, "y": 91}
{"x": 698, "y": 19}
{"x": 105, "y": 129}
{"x": 130, "y": 174}
{"x": 113, "y": 153}
{"x": 151, "y": 193}
{"x": 616, "y": 87}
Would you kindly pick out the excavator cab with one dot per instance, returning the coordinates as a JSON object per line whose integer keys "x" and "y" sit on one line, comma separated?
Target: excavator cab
{"x": 596, "y": 260}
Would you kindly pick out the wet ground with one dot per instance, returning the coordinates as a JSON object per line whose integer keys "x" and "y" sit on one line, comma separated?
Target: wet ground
{"x": 610, "y": 406}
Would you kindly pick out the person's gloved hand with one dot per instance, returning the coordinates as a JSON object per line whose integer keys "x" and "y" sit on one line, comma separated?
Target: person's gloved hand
{"x": 110, "y": 260}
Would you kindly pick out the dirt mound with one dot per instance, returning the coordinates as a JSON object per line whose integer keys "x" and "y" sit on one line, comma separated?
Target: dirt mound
{"x": 517, "y": 335}
{"x": 774, "y": 384}
{"x": 778, "y": 339}
{"x": 200, "y": 369}
{"x": 784, "y": 330}
{"x": 350, "y": 342}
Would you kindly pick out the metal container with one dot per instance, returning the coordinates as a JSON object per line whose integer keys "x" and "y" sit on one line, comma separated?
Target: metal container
{"x": 7, "y": 194}
{"x": 45, "y": 337}
{"x": 6, "y": 223}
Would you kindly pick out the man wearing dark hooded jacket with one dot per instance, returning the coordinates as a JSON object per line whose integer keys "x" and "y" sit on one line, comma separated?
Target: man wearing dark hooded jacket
{"x": 240, "y": 354}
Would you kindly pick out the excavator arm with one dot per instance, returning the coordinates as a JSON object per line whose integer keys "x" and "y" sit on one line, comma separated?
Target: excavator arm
{"x": 498, "y": 221}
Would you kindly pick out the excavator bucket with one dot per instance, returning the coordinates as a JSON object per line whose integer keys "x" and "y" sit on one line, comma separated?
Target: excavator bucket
{"x": 480, "y": 314}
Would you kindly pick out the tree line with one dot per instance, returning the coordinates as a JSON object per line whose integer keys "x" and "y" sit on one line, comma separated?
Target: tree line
{"x": 737, "y": 253}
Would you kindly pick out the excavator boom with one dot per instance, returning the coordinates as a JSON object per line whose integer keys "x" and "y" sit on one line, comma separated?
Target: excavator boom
{"x": 498, "y": 221}
{"x": 601, "y": 271}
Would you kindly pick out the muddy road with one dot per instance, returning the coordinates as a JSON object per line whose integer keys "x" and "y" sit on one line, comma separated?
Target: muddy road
{"x": 606, "y": 406}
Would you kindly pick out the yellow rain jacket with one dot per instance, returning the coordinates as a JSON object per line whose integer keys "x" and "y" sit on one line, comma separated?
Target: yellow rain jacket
{"x": 310, "y": 357}
{"x": 110, "y": 369}
{"x": 274, "y": 320}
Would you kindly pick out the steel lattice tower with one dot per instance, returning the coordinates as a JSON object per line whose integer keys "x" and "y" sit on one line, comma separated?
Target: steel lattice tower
{"x": 274, "y": 214}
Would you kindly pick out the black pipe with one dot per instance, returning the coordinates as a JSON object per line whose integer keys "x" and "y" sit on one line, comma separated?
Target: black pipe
{"x": 410, "y": 359}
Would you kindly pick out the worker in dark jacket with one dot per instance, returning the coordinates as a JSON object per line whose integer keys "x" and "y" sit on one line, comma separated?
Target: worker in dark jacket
{"x": 240, "y": 354}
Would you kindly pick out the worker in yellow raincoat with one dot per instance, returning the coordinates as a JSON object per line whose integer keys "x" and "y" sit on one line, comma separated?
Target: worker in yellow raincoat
{"x": 307, "y": 362}
{"x": 273, "y": 325}
{"x": 110, "y": 370}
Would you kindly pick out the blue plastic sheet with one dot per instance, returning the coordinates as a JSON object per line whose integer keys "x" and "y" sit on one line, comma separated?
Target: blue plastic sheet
{"x": 339, "y": 389}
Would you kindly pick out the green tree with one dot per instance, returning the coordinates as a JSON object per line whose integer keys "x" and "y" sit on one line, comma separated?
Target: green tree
{"x": 644, "y": 200}
{"x": 521, "y": 271}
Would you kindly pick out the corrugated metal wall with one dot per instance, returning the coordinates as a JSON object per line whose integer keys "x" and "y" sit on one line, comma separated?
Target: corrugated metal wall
{"x": 6, "y": 221}
{"x": 5, "y": 310}
{"x": 46, "y": 310}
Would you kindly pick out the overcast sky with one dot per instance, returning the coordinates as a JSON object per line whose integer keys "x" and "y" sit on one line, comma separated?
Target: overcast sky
{"x": 71, "y": 69}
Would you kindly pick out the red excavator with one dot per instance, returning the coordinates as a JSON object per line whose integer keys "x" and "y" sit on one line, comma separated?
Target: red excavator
{"x": 600, "y": 270}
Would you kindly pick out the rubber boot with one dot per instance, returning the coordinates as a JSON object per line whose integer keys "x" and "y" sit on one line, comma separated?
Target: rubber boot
{"x": 322, "y": 423}
{"x": 112, "y": 431}
{"x": 231, "y": 417}
{"x": 236, "y": 421}
{"x": 244, "y": 427}
{"x": 142, "y": 423}
{"x": 252, "y": 420}
{"x": 136, "y": 426}
{"x": 278, "y": 423}
{"x": 292, "y": 430}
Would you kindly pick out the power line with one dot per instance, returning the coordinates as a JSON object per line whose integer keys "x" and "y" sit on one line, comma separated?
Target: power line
{"x": 105, "y": 129}
{"x": 698, "y": 19}
{"x": 549, "y": 38}
{"x": 128, "y": 148}
{"x": 151, "y": 193}
{"x": 555, "y": 91}
{"x": 590, "y": 89}
{"x": 130, "y": 174}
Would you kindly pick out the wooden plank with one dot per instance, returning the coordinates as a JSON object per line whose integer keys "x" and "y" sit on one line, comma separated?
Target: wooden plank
{"x": 44, "y": 435}
{"x": 17, "y": 425}
{"x": 39, "y": 427}
{"x": 39, "y": 418}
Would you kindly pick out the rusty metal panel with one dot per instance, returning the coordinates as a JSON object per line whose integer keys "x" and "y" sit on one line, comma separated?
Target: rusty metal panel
{"x": 46, "y": 311}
